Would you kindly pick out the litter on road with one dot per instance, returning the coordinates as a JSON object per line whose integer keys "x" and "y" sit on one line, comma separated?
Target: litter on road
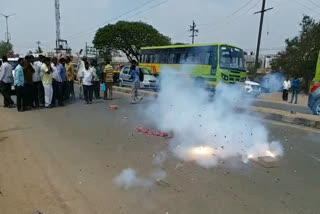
{"x": 152, "y": 132}
{"x": 113, "y": 107}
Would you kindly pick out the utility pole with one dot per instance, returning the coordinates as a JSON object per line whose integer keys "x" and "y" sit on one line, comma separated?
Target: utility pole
{"x": 263, "y": 10}
{"x": 39, "y": 48}
{"x": 7, "y": 37}
{"x": 38, "y": 43}
{"x": 194, "y": 31}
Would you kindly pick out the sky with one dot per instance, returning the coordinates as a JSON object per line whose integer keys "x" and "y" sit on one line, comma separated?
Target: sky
{"x": 229, "y": 21}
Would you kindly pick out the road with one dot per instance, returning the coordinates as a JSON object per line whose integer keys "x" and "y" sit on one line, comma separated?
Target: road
{"x": 64, "y": 160}
{"x": 283, "y": 106}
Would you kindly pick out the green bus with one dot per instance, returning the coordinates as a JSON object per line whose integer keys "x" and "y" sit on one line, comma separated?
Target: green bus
{"x": 209, "y": 63}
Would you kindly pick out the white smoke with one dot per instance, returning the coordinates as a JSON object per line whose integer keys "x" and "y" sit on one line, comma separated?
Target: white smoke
{"x": 160, "y": 158}
{"x": 272, "y": 82}
{"x": 128, "y": 179}
{"x": 199, "y": 125}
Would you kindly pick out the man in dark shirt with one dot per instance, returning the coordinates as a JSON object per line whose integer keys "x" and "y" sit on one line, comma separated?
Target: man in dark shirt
{"x": 28, "y": 71}
{"x": 295, "y": 90}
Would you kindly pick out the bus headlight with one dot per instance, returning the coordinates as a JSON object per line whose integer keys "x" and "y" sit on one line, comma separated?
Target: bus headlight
{"x": 225, "y": 77}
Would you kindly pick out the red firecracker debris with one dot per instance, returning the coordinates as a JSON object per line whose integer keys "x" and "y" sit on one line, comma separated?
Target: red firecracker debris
{"x": 113, "y": 107}
{"x": 152, "y": 132}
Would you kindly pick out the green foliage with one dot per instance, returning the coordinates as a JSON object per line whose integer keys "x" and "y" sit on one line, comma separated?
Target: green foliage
{"x": 252, "y": 67}
{"x": 5, "y": 48}
{"x": 299, "y": 59}
{"x": 129, "y": 37}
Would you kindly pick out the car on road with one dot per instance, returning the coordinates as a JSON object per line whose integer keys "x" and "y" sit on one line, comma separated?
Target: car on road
{"x": 252, "y": 89}
{"x": 149, "y": 80}
{"x": 314, "y": 99}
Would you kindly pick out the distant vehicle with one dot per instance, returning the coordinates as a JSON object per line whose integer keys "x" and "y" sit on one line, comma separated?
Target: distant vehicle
{"x": 209, "y": 64}
{"x": 314, "y": 99}
{"x": 149, "y": 80}
{"x": 314, "y": 96}
{"x": 252, "y": 88}
{"x": 116, "y": 72}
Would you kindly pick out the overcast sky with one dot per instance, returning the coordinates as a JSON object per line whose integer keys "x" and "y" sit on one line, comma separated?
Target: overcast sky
{"x": 230, "y": 21}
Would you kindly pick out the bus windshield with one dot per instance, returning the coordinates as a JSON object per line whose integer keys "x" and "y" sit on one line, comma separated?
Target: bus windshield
{"x": 231, "y": 58}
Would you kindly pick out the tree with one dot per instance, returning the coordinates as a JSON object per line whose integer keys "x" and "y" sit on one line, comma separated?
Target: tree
{"x": 5, "y": 48}
{"x": 128, "y": 37}
{"x": 299, "y": 58}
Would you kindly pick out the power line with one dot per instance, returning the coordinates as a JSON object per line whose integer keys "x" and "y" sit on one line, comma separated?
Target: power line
{"x": 227, "y": 18}
{"x": 92, "y": 29}
{"x": 306, "y": 6}
{"x": 318, "y": 5}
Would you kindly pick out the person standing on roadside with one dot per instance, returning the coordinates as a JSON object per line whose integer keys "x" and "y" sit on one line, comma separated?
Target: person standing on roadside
{"x": 80, "y": 68}
{"x": 19, "y": 85}
{"x": 56, "y": 83}
{"x": 87, "y": 76}
{"x": 63, "y": 73}
{"x": 41, "y": 89}
{"x": 295, "y": 90}
{"x": 108, "y": 80}
{"x": 70, "y": 78}
{"x": 36, "y": 78}
{"x": 135, "y": 76}
{"x": 28, "y": 82}
{"x": 97, "y": 79}
{"x": 47, "y": 82}
{"x": 6, "y": 80}
{"x": 286, "y": 87}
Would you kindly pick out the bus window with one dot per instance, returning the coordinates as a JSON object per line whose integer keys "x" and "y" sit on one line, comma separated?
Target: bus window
{"x": 163, "y": 58}
{"x": 182, "y": 58}
{"x": 196, "y": 59}
{"x": 151, "y": 58}
{"x": 231, "y": 58}
{"x": 172, "y": 58}
{"x": 156, "y": 58}
{"x": 190, "y": 58}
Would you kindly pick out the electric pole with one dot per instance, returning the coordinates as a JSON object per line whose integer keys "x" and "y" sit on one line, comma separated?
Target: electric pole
{"x": 39, "y": 48}
{"x": 7, "y": 37}
{"x": 194, "y": 31}
{"x": 263, "y": 10}
{"x": 58, "y": 33}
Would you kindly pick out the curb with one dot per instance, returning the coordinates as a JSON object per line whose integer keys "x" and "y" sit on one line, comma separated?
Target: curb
{"x": 311, "y": 121}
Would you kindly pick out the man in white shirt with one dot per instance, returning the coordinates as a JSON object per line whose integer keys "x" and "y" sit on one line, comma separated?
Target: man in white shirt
{"x": 80, "y": 68}
{"x": 87, "y": 77}
{"x": 37, "y": 84}
{"x": 56, "y": 83}
{"x": 286, "y": 87}
{"x": 6, "y": 80}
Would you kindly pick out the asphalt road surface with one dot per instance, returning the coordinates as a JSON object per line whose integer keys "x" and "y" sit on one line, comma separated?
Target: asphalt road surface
{"x": 64, "y": 160}
{"x": 283, "y": 106}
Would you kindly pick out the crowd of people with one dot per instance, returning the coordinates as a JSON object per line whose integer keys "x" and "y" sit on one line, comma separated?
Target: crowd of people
{"x": 49, "y": 82}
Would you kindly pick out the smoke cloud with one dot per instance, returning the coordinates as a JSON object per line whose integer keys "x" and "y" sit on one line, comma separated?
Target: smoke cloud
{"x": 273, "y": 82}
{"x": 207, "y": 131}
{"x": 128, "y": 179}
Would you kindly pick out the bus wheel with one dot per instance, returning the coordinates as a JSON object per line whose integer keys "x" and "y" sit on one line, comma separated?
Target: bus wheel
{"x": 199, "y": 82}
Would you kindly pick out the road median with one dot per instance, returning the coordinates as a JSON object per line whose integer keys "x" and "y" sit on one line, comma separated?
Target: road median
{"x": 295, "y": 118}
